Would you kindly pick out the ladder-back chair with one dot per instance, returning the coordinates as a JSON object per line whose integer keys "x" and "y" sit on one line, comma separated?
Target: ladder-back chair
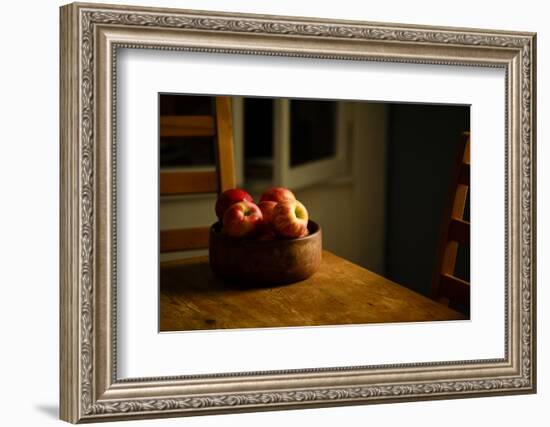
{"x": 219, "y": 127}
{"x": 446, "y": 287}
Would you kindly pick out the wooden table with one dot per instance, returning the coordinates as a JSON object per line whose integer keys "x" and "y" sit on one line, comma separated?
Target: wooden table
{"x": 192, "y": 297}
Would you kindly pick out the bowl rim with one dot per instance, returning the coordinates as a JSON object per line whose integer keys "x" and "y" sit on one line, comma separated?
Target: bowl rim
{"x": 310, "y": 224}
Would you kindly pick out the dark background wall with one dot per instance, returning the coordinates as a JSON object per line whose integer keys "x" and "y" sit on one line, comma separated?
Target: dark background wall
{"x": 423, "y": 145}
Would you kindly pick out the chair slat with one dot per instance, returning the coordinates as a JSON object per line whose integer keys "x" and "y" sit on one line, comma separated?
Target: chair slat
{"x": 459, "y": 231}
{"x": 184, "y": 239}
{"x": 173, "y": 183}
{"x": 187, "y": 126}
{"x": 455, "y": 289}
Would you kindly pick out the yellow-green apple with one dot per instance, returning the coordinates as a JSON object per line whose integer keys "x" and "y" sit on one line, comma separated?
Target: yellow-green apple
{"x": 242, "y": 219}
{"x": 277, "y": 194}
{"x": 290, "y": 219}
{"x": 228, "y": 198}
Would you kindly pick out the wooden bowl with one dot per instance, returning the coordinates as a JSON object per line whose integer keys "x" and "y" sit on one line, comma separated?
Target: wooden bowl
{"x": 265, "y": 262}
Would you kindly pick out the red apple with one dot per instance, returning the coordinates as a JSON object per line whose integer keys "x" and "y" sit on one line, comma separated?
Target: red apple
{"x": 277, "y": 194}
{"x": 228, "y": 198}
{"x": 267, "y": 232}
{"x": 290, "y": 219}
{"x": 267, "y": 207}
{"x": 242, "y": 219}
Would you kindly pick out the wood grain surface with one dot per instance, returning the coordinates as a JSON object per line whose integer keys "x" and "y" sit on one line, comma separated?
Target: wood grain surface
{"x": 192, "y": 298}
{"x": 184, "y": 239}
{"x": 188, "y": 182}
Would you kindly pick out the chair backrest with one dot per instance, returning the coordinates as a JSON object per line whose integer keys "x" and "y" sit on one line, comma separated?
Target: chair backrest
{"x": 446, "y": 287}
{"x": 218, "y": 126}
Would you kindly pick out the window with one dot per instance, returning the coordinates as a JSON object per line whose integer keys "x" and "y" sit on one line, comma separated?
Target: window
{"x": 294, "y": 142}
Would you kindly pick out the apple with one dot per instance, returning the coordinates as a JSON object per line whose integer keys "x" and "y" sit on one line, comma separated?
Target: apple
{"x": 290, "y": 219}
{"x": 228, "y": 198}
{"x": 267, "y": 207}
{"x": 242, "y": 219}
{"x": 305, "y": 233}
{"x": 277, "y": 194}
{"x": 267, "y": 232}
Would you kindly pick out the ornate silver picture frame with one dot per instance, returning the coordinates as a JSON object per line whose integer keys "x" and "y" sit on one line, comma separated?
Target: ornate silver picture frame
{"x": 90, "y": 388}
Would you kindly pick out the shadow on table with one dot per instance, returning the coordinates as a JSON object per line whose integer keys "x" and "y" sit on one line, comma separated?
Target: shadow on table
{"x": 197, "y": 277}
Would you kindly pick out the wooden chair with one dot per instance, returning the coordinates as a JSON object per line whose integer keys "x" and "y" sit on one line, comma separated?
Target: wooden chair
{"x": 218, "y": 126}
{"x": 446, "y": 287}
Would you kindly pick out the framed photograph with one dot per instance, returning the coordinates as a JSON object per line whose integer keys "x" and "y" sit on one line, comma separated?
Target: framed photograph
{"x": 266, "y": 212}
